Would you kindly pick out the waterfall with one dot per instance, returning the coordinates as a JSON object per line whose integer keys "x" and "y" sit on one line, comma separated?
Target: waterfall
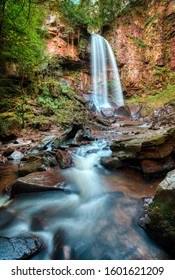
{"x": 102, "y": 59}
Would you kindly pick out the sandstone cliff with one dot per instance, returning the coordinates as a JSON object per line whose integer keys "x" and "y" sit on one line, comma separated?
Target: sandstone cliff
{"x": 143, "y": 39}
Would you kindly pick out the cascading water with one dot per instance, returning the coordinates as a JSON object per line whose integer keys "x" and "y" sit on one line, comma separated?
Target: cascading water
{"x": 91, "y": 222}
{"x": 83, "y": 175}
{"x": 102, "y": 59}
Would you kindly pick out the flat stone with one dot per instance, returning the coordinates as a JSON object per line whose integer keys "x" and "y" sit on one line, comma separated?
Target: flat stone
{"x": 19, "y": 248}
{"x": 38, "y": 182}
{"x": 147, "y": 145}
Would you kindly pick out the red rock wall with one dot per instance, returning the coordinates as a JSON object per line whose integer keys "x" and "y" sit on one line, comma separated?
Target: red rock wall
{"x": 144, "y": 43}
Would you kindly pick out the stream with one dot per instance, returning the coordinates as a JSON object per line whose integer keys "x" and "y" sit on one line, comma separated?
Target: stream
{"x": 96, "y": 219}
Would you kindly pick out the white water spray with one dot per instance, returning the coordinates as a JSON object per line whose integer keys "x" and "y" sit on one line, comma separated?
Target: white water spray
{"x": 83, "y": 175}
{"x": 101, "y": 57}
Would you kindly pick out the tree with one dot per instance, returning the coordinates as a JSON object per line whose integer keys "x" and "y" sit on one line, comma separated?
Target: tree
{"x": 21, "y": 34}
{"x": 89, "y": 14}
{"x": 22, "y": 42}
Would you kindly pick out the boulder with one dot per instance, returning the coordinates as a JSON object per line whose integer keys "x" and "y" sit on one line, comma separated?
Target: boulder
{"x": 111, "y": 162}
{"x": 64, "y": 159}
{"x": 16, "y": 155}
{"x": 46, "y": 142}
{"x": 10, "y": 126}
{"x": 19, "y": 248}
{"x": 58, "y": 251}
{"x": 70, "y": 137}
{"x": 123, "y": 111}
{"x": 38, "y": 182}
{"x": 108, "y": 112}
{"x": 148, "y": 149}
{"x": 31, "y": 163}
{"x": 161, "y": 213}
{"x": 8, "y": 152}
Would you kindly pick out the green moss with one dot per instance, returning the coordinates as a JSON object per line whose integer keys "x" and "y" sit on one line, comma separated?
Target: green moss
{"x": 140, "y": 44}
{"x": 163, "y": 211}
{"x": 9, "y": 124}
{"x": 156, "y": 99}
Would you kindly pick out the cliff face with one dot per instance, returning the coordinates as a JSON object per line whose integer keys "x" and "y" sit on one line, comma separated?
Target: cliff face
{"x": 144, "y": 43}
{"x": 143, "y": 40}
{"x": 72, "y": 50}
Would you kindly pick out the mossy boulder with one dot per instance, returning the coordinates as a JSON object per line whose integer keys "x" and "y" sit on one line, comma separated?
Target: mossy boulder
{"x": 161, "y": 212}
{"x": 9, "y": 125}
{"x": 151, "y": 151}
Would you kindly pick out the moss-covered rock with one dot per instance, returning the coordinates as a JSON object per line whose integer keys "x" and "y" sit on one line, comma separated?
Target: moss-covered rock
{"x": 9, "y": 125}
{"x": 161, "y": 212}
{"x": 150, "y": 151}
{"x": 151, "y": 144}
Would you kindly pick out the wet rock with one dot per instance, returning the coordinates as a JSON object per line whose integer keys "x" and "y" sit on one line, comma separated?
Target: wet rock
{"x": 79, "y": 137}
{"x": 38, "y": 182}
{"x": 64, "y": 159}
{"x": 123, "y": 111}
{"x": 40, "y": 221}
{"x": 10, "y": 126}
{"x": 59, "y": 248}
{"x": 135, "y": 111}
{"x": 111, "y": 162}
{"x": 31, "y": 163}
{"x": 107, "y": 112}
{"x": 8, "y": 152}
{"x": 19, "y": 248}
{"x": 157, "y": 166}
{"x": 98, "y": 123}
{"x": 49, "y": 159}
{"x": 16, "y": 155}
{"x": 70, "y": 137}
{"x": 129, "y": 122}
{"x": 46, "y": 142}
{"x": 167, "y": 185}
{"x": 6, "y": 216}
{"x": 165, "y": 116}
{"x": 88, "y": 134}
{"x": 161, "y": 212}
{"x": 142, "y": 211}
{"x": 148, "y": 145}
{"x": 18, "y": 143}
